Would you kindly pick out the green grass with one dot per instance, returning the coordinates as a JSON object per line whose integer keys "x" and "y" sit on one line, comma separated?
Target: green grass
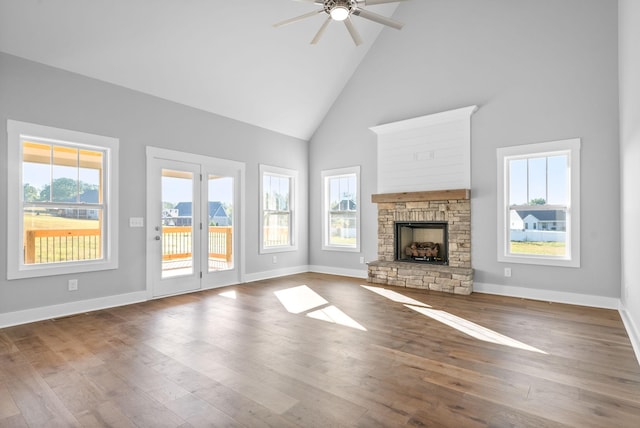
{"x": 47, "y": 222}
{"x": 539, "y": 248}
{"x": 338, "y": 240}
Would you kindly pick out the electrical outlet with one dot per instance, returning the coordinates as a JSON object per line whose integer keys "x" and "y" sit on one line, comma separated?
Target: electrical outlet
{"x": 73, "y": 285}
{"x": 361, "y": 260}
{"x": 274, "y": 259}
{"x": 507, "y": 272}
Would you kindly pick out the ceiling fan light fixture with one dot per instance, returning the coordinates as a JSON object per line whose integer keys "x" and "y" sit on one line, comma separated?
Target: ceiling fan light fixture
{"x": 339, "y": 13}
{"x": 341, "y": 10}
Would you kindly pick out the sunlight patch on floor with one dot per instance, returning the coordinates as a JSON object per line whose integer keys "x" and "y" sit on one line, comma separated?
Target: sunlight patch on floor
{"x": 460, "y": 324}
{"x": 301, "y": 299}
{"x": 472, "y": 329}
{"x": 336, "y": 316}
{"x": 229, "y": 294}
{"x": 396, "y": 297}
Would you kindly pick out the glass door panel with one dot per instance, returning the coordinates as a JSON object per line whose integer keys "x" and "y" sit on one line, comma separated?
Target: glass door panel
{"x": 220, "y": 223}
{"x": 177, "y": 223}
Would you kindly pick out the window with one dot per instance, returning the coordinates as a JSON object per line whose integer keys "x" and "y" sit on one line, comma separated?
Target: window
{"x": 341, "y": 209}
{"x": 539, "y": 203}
{"x": 277, "y": 191}
{"x": 62, "y": 198}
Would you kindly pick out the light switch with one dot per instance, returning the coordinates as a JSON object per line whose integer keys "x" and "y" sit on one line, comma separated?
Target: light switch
{"x": 136, "y": 222}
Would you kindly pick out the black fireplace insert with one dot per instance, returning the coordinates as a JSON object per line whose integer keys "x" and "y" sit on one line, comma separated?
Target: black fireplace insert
{"x": 422, "y": 242}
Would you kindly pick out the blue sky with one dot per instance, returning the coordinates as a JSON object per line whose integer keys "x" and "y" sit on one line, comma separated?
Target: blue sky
{"x": 341, "y": 186}
{"x": 547, "y": 179}
{"x": 176, "y": 190}
{"x": 39, "y": 175}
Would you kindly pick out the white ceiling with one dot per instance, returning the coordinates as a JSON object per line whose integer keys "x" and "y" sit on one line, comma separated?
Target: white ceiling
{"x": 224, "y": 57}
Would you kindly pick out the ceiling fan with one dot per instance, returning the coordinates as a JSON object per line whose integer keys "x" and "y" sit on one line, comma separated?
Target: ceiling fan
{"x": 341, "y": 10}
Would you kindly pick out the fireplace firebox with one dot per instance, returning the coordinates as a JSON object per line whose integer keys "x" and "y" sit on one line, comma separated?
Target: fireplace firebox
{"x": 421, "y": 242}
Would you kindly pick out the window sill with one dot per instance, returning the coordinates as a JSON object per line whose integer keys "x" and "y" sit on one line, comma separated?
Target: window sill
{"x": 339, "y": 248}
{"x": 540, "y": 260}
{"x": 37, "y": 271}
{"x": 282, "y": 249}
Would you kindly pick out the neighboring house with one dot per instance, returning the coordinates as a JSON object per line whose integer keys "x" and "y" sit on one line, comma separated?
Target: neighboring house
{"x": 555, "y": 220}
{"x": 347, "y": 205}
{"x": 181, "y": 215}
{"x": 346, "y": 226}
{"x": 169, "y": 212}
{"x": 79, "y": 213}
{"x": 515, "y": 220}
{"x": 218, "y": 215}
{"x": 89, "y": 196}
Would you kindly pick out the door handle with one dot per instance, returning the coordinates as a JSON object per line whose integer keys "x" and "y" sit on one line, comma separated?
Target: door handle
{"x": 157, "y": 238}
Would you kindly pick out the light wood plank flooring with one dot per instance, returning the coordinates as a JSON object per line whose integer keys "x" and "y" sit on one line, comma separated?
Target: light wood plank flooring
{"x": 342, "y": 355}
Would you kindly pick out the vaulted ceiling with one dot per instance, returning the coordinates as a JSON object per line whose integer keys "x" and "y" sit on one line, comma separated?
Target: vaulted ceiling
{"x": 220, "y": 56}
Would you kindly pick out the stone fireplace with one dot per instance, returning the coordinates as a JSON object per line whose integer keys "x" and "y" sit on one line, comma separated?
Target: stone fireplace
{"x": 424, "y": 218}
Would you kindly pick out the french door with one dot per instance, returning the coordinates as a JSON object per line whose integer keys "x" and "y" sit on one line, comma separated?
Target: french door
{"x": 193, "y": 214}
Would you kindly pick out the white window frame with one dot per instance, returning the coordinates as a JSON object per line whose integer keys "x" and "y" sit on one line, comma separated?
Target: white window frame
{"x": 570, "y": 148}
{"x": 292, "y": 175}
{"x": 326, "y": 175}
{"x": 16, "y": 133}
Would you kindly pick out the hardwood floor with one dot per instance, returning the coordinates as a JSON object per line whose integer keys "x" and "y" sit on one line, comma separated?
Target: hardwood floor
{"x": 207, "y": 359}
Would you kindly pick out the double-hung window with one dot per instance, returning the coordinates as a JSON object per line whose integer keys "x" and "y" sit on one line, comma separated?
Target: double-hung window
{"x": 277, "y": 202}
{"x": 341, "y": 209}
{"x": 539, "y": 203}
{"x": 62, "y": 195}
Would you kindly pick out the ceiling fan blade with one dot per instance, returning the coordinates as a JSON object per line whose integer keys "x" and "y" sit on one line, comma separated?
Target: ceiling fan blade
{"x": 372, "y": 2}
{"x": 352, "y": 30}
{"x": 378, "y": 18}
{"x": 298, "y": 18}
{"x": 320, "y": 32}
{"x": 316, "y": 1}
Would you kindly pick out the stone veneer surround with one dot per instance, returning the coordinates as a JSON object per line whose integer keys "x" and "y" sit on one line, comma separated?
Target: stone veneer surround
{"x": 451, "y": 206}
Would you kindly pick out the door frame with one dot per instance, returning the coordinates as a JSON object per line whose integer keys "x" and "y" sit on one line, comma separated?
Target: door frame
{"x": 239, "y": 211}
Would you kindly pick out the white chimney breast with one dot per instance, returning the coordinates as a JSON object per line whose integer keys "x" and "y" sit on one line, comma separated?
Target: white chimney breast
{"x": 431, "y": 152}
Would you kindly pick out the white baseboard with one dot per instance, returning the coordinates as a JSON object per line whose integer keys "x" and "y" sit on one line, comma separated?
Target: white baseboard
{"x": 72, "y": 308}
{"x": 548, "y": 295}
{"x": 56, "y": 311}
{"x": 633, "y": 330}
{"x": 258, "y": 276}
{"x": 355, "y": 273}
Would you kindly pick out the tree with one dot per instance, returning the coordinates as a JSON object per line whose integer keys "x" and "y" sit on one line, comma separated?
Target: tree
{"x": 228, "y": 208}
{"x": 31, "y": 194}
{"x": 64, "y": 190}
{"x": 538, "y": 201}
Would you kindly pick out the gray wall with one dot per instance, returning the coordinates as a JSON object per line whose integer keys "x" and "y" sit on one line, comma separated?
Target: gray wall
{"x": 35, "y": 93}
{"x": 630, "y": 159}
{"x": 539, "y": 71}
